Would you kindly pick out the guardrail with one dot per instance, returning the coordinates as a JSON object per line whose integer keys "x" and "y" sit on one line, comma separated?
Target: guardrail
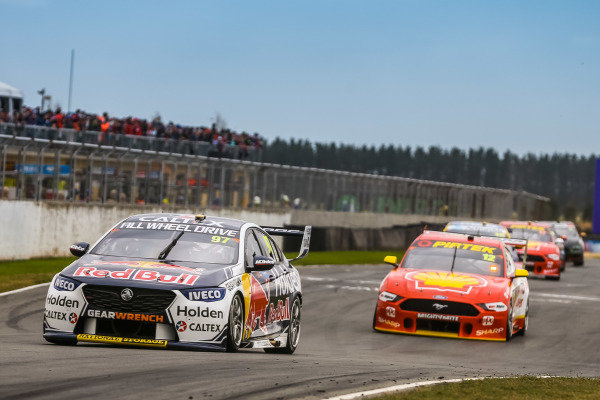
{"x": 42, "y": 169}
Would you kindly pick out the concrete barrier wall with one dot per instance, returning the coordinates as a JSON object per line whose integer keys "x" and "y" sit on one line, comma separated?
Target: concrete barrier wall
{"x": 46, "y": 229}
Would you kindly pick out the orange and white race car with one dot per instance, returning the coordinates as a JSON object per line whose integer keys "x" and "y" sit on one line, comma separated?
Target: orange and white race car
{"x": 454, "y": 285}
{"x": 543, "y": 254}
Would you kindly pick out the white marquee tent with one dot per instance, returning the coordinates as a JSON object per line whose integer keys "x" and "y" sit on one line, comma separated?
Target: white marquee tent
{"x": 10, "y": 98}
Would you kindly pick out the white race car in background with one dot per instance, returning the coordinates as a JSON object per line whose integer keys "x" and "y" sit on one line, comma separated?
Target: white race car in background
{"x": 179, "y": 281}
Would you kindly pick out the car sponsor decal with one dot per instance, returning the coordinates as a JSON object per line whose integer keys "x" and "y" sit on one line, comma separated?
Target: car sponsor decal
{"x": 137, "y": 275}
{"x": 181, "y": 326}
{"x": 73, "y": 318}
{"x": 481, "y": 332}
{"x": 260, "y": 311}
{"x": 146, "y": 264}
{"x": 84, "y": 337}
{"x": 530, "y": 227}
{"x": 394, "y": 324}
{"x": 445, "y": 281}
{"x": 156, "y": 318}
{"x": 62, "y": 301}
{"x": 438, "y": 317}
{"x": 208, "y": 294}
{"x": 390, "y": 312}
{"x": 193, "y": 228}
{"x": 64, "y": 284}
{"x": 199, "y": 311}
{"x": 488, "y": 320}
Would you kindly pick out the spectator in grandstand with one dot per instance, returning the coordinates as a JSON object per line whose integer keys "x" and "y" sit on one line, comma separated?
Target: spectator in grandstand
{"x": 221, "y": 140}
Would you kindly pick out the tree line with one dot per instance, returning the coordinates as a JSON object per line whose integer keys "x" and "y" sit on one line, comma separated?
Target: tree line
{"x": 567, "y": 179}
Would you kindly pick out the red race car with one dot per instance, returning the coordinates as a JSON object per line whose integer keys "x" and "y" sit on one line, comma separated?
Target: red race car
{"x": 543, "y": 254}
{"x": 453, "y": 285}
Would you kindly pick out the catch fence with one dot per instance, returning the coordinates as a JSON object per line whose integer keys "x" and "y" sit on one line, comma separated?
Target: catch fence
{"x": 41, "y": 169}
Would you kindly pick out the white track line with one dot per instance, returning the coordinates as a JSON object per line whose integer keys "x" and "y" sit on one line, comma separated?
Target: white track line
{"x": 24, "y": 289}
{"x": 566, "y": 296}
{"x": 407, "y": 386}
{"x": 396, "y": 388}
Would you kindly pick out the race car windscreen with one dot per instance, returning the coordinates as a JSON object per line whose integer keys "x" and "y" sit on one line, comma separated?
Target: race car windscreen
{"x": 566, "y": 230}
{"x": 470, "y": 258}
{"x": 536, "y": 234}
{"x": 189, "y": 247}
{"x": 478, "y": 230}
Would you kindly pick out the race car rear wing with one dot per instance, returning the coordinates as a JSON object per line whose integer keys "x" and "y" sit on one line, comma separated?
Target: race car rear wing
{"x": 304, "y": 246}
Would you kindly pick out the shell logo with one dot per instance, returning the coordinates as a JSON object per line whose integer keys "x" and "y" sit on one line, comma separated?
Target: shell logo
{"x": 445, "y": 281}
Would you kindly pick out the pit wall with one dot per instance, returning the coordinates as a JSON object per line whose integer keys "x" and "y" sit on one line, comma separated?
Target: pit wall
{"x": 46, "y": 229}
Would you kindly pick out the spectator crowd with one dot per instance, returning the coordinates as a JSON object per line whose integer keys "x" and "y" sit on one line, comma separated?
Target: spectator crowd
{"x": 108, "y": 126}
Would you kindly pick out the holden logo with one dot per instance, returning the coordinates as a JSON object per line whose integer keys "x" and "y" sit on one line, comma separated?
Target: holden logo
{"x": 126, "y": 294}
{"x": 180, "y": 326}
{"x": 438, "y": 306}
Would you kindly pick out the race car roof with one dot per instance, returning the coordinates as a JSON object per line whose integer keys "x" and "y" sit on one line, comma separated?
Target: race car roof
{"x": 456, "y": 237}
{"x": 226, "y": 223}
{"x": 525, "y": 224}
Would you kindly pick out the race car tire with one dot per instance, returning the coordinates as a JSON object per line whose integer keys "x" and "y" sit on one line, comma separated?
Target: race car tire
{"x": 293, "y": 335}
{"x": 235, "y": 328}
{"x": 554, "y": 278}
{"x": 509, "y": 324}
{"x": 526, "y": 322}
{"x": 579, "y": 262}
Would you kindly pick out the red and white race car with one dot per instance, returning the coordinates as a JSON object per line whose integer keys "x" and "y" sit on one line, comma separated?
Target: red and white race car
{"x": 453, "y": 285}
{"x": 543, "y": 253}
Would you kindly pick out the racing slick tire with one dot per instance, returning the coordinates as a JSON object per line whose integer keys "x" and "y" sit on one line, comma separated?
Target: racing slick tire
{"x": 578, "y": 262}
{"x": 509, "y": 322}
{"x": 554, "y": 278}
{"x": 293, "y": 335}
{"x": 235, "y": 327}
{"x": 526, "y": 322}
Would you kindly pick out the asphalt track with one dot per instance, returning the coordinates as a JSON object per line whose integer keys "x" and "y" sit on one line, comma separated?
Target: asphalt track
{"x": 338, "y": 352}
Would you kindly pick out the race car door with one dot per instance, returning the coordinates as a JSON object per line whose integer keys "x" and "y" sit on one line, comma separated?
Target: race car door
{"x": 282, "y": 284}
{"x": 519, "y": 289}
{"x": 261, "y": 287}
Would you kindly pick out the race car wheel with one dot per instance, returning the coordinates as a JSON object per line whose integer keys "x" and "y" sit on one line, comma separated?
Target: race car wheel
{"x": 509, "y": 325}
{"x": 236, "y": 324}
{"x": 526, "y": 322}
{"x": 578, "y": 262}
{"x": 293, "y": 336}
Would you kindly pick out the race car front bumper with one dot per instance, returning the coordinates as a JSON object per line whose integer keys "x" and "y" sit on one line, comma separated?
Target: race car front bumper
{"x": 124, "y": 341}
{"x": 487, "y": 325}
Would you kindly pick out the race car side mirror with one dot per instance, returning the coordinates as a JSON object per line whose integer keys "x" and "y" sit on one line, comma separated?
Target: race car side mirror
{"x": 563, "y": 237}
{"x": 392, "y": 260}
{"x": 263, "y": 263}
{"x": 80, "y": 248}
{"x": 583, "y": 234}
{"x": 521, "y": 273}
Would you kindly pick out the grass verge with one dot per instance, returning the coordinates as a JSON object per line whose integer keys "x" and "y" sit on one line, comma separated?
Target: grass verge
{"x": 345, "y": 257}
{"x": 523, "y": 388}
{"x": 21, "y": 273}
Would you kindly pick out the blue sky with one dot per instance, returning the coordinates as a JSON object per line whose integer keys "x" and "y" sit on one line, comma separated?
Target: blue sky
{"x": 519, "y": 75}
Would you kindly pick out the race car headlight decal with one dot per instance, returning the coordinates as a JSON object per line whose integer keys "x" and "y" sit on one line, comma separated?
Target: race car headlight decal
{"x": 497, "y": 306}
{"x": 389, "y": 297}
{"x": 65, "y": 284}
{"x": 204, "y": 294}
{"x": 554, "y": 257}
